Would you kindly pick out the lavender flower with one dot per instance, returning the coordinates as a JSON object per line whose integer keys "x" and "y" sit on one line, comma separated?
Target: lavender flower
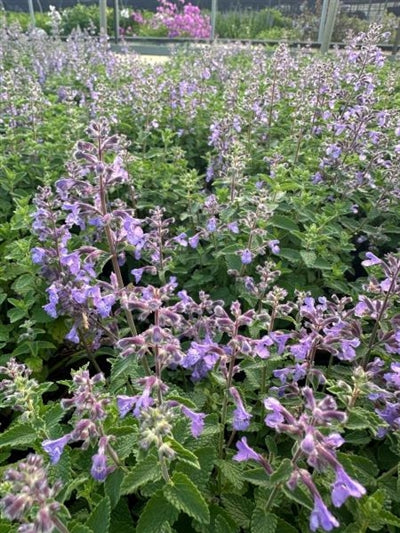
{"x": 344, "y": 487}
{"x": 246, "y": 257}
{"x": 241, "y": 418}
{"x": 321, "y": 517}
{"x": 197, "y": 421}
{"x": 55, "y": 447}
{"x": 246, "y": 453}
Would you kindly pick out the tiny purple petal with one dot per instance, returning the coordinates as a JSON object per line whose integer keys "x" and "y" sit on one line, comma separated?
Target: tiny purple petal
{"x": 56, "y": 447}
{"x": 197, "y": 420}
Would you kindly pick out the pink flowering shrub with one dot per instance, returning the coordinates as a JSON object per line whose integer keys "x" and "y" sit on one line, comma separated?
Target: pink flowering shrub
{"x": 187, "y": 22}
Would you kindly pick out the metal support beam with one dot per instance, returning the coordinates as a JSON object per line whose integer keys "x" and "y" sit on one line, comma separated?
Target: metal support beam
{"x": 103, "y": 16}
{"x": 322, "y": 22}
{"x": 116, "y": 21}
{"x": 214, "y": 9}
{"x": 32, "y": 12}
{"x": 330, "y": 24}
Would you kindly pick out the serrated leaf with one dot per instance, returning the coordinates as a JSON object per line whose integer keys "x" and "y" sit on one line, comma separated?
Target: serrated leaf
{"x": 257, "y": 476}
{"x": 80, "y": 528}
{"x": 239, "y": 509}
{"x": 144, "y": 472}
{"x": 283, "y": 222}
{"x": 186, "y": 497}
{"x": 285, "y": 527}
{"x": 185, "y": 455}
{"x": 121, "y": 519}
{"x": 99, "y": 519}
{"x": 282, "y": 473}
{"x": 291, "y": 255}
{"x": 362, "y": 419}
{"x": 126, "y": 440}
{"x": 112, "y": 486}
{"x": 206, "y": 458}
{"x": 309, "y": 257}
{"x": 389, "y": 518}
{"x": 299, "y": 496}
{"x": 232, "y": 472}
{"x": 157, "y": 512}
{"x": 53, "y": 415}
{"x": 17, "y": 436}
{"x": 263, "y": 522}
{"x": 221, "y": 525}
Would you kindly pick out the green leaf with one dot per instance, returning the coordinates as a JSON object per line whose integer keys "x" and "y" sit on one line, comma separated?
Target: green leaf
{"x": 186, "y": 497}
{"x": 80, "y": 528}
{"x": 17, "y": 436}
{"x": 206, "y": 458}
{"x": 283, "y": 222}
{"x": 157, "y": 512}
{"x": 184, "y": 455}
{"x": 239, "y": 508}
{"x": 16, "y": 314}
{"x": 360, "y": 418}
{"x": 221, "y": 525}
{"x": 53, "y": 415}
{"x": 121, "y": 519}
{"x": 23, "y": 284}
{"x": 299, "y": 496}
{"x": 282, "y": 473}
{"x": 99, "y": 519}
{"x": 232, "y": 472}
{"x": 257, "y": 476}
{"x": 263, "y": 522}
{"x": 309, "y": 257}
{"x": 389, "y": 518}
{"x": 144, "y": 472}
{"x": 112, "y": 487}
{"x": 285, "y": 527}
{"x": 291, "y": 255}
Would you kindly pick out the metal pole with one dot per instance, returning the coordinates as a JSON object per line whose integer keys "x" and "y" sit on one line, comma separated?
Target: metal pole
{"x": 322, "y": 21}
{"x": 32, "y": 12}
{"x": 396, "y": 41}
{"x": 116, "y": 21}
{"x": 369, "y": 10}
{"x": 330, "y": 24}
{"x": 103, "y": 16}
{"x": 213, "y": 18}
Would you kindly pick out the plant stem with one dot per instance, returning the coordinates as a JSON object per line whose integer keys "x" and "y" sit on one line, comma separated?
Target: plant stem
{"x": 59, "y": 525}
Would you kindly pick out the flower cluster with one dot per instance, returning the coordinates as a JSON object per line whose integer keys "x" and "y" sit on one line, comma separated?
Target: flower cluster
{"x": 30, "y": 498}
{"x": 317, "y": 448}
{"x": 89, "y": 404}
{"x": 189, "y": 22}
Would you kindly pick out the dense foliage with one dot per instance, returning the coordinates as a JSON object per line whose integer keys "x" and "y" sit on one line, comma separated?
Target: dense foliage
{"x": 199, "y": 289}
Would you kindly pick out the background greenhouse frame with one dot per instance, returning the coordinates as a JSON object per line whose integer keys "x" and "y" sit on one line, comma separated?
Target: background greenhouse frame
{"x": 371, "y": 10}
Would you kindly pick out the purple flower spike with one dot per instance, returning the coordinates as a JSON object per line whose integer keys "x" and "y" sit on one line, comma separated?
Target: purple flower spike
{"x": 197, "y": 420}
{"x": 344, "y": 487}
{"x": 321, "y": 517}
{"x": 56, "y": 447}
{"x": 274, "y": 246}
{"x": 371, "y": 260}
{"x": 137, "y": 273}
{"x": 241, "y": 418}
{"x": 246, "y": 257}
{"x": 261, "y": 347}
{"x": 245, "y": 453}
{"x": 275, "y": 418}
{"x": 99, "y": 470}
{"x": 126, "y": 404}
